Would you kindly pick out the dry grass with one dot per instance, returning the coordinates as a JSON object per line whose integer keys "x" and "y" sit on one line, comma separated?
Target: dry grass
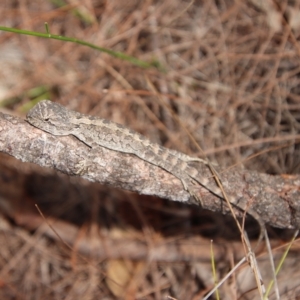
{"x": 232, "y": 78}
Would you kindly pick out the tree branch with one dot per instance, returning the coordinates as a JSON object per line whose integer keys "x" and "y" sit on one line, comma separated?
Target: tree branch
{"x": 274, "y": 198}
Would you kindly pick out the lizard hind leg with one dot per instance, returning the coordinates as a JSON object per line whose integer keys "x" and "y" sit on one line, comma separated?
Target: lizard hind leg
{"x": 195, "y": 159}
{"x": 186, "y": 158}
{"x": 190, "y": 159}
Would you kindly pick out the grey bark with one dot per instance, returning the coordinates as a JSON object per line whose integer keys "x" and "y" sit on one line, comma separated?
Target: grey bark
{"x": 274, "y": 198}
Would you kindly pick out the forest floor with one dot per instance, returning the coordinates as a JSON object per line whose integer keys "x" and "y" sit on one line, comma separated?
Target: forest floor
{"x": 228, "y": 70}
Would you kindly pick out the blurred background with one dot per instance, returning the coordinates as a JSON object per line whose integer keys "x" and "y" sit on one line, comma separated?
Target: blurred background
{"x": 228, "y": 70}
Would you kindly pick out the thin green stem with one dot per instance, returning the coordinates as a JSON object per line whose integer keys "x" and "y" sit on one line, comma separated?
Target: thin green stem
{"x": 131, "y": 59}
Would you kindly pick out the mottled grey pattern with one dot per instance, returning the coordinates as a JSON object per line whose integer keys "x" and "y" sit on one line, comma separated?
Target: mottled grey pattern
{"x": 57, "y": 120}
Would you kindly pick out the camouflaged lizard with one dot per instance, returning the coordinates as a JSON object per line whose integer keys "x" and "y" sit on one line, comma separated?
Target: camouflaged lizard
{"x": 94, "y": 132}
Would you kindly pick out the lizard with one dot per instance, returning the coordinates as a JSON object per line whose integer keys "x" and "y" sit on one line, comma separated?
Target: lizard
{"x": 93, "y": 131}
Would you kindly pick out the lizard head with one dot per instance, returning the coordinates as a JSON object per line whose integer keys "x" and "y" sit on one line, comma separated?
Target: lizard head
{"x": 52, "y": 117}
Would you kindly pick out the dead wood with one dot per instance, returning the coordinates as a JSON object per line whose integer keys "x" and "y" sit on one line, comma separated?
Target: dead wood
{"x": 274, "y": 198}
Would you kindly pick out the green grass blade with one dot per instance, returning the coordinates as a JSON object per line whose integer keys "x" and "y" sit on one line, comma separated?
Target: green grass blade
{"x": 131, "y": 59}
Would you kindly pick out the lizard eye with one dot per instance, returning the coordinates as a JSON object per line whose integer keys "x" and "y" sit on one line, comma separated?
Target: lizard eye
{"x": 47, "y": 119}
